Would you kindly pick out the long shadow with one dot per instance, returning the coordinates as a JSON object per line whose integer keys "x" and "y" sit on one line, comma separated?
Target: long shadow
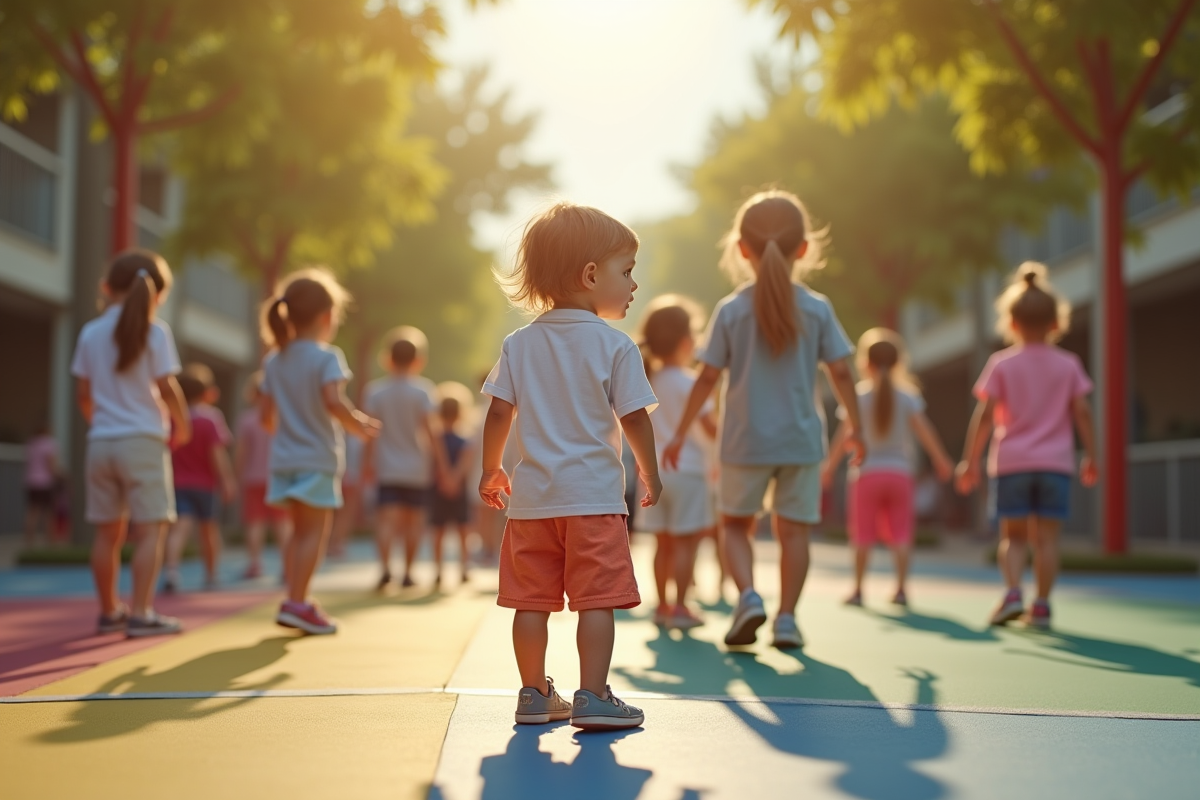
{"x": 100, "y": 720}
{"x": 1121, "y": 657}
{"x": 930, "y": 623}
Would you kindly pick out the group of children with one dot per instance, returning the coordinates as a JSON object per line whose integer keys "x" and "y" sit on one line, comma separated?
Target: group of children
{"x": 565, "y": 391}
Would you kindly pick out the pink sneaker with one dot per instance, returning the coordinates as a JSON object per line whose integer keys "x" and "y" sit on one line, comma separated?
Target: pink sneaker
{"x": 305, "y": 617}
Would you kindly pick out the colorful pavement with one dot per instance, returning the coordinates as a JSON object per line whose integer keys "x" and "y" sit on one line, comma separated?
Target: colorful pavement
{"x": 414, "y": 697}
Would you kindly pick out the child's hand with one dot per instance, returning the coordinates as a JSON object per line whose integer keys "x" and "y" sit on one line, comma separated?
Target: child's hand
{"x": 827, "y": 473}
{"x": 493, "y": 486}
{"x": 370, "y": 426}
{"x": 966, "y": 477}
{"x": 944, "y": 468}
{"x": 670, "y": 454}
{"x": 1088, "y": 472}
{"x": 857, "y": 448}
{"x": 653, "y": 486}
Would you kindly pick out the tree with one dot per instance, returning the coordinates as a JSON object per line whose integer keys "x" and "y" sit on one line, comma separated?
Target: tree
{"x": 1044, "y": 79}
{"x": 151, "y": 68}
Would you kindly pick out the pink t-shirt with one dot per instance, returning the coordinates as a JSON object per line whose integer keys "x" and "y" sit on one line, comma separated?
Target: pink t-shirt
{"x": 193, "y": 463}
{"x": 256, "y": 448}
{"x": 40, "y": 454}
{"x": 1033, "y": 386}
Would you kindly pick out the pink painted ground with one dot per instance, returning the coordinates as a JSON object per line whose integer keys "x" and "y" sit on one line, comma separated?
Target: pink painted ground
{"x": 44, "y": 640}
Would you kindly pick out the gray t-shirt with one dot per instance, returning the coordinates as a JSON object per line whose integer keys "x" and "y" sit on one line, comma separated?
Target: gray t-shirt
{"x": 307, "y": 438}
{"x": 895, "y": 452}
{"x": 769, "y": 415}
{"x": 402, "y": 403}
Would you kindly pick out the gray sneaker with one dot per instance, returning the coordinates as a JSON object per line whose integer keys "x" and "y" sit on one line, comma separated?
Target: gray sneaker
{"x": 114, "y": 622}
{"x": 535, "y": 708}
{"x": 591, "y": 713}
{"x": 746, "y": 618}
{"x": 153, "y": 625}
{"x": 787, "y": 633}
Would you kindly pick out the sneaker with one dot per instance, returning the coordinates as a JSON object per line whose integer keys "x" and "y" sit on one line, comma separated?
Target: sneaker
{"x": 854, "y": 600}
{"x": 170, "y": 582}
{"x": 305, "y": 617}
{"x": 535, "y": 708}
{"x": 786, "y": 634}
{"x": 900, "y": 598}
{"x": 684, "y": 619}
{"x": 749, "y": 615}
{"x": 153, "y": 625}
{"x": 407, "y": 582}
{"x": 115, "y": 622}
{"x": 384, "y": 580}
{"x": 1009, "y": 609}
{"x": 1038, "y": 616}
{"x": 662, "y": 615}
{"x": 592, "y": 713}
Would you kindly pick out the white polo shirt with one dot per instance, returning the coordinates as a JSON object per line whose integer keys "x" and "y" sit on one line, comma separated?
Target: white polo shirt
{"x": 571, "y": 378}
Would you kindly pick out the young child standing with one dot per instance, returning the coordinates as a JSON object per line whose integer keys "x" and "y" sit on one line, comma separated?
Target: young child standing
{"x": 1030, "y": 393}
{"x": 43, "y": 479}
{"x": 125, "y": 366}
{"x": 450, "y": 506}
{"x": 251, "y": 458}
{"x": 406, "y": 457}
{"x": 573, "y": 384}
{"x": 304, "y": 406}
{"x": 771, "y": 334}
{"x": 684, "y": 513}
{"x": 882, "y": 488}
{"x": 202, "y": 470}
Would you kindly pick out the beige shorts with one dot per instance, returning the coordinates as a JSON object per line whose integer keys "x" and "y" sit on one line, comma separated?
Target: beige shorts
{"x": 129, "y": 477}
{"x": 684, "y": 508}
{"x": 795, "y": 490}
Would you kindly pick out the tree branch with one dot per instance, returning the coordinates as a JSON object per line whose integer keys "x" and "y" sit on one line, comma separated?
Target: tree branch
{"x": 192, "y": 117}
{"x": 1138, "y": 170}
{"x": 80, "y": 73}
{"x": 164, "y": 24}
{"x": 131, "y": 86}
{"x": 1026, "y": 62}
{"x": 91, "y": 83}
{"x": 1165, "y": 42}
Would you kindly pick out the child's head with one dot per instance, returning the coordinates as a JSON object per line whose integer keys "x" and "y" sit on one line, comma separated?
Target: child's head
{"x": 198, "y": 383}
{"x": 772, "y": 241}
{"x": 882, "y": 357}
{"x": 574, "y": 256}
{"x": 138, "y": 280}
{"x": 252, "y": 388}
{"x": 1029, "y": 310}
{"x": 455, "y": 404}
{"x": 405, "y": 351}
{"x": 308, "y": 303}
{"x": 669, "y": 329}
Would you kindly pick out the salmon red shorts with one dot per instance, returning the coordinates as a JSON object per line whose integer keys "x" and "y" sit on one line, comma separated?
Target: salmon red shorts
{"x": 587, "y": 558}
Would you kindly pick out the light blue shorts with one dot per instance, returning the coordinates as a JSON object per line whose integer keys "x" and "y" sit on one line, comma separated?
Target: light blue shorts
{"x": 316, "y": 489}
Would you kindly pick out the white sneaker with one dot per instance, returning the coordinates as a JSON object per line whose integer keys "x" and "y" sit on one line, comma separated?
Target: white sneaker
{"x": 787, "y": 633}
{"x": 749, "y": 615}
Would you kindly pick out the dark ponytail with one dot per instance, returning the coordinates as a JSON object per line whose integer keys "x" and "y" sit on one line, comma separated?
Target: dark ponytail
{"x": 276, "y": 330}
{"x": 302, "y": 298}
{"x": 137, "y": 278}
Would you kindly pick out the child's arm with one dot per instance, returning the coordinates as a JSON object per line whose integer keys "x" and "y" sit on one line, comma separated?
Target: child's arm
{"x": 706, "y": 381}
{"x": 267, "y": 413}
{"x": 83, "y": 398}
{"x": 496, "y": 425}
{"x": 967, "y": 472}
{"x": 1081, "y": 410}
{"x": 708, "y": 424}
{"x": 842, "y": 380}
{"x": 224, "y": 468}
{"x": 928, "y": 437}
{"x": 432, "y": 427}
{"x": 837, "y": 451}
{"x": 340, "y": 408}
{"x": 172, "y": 395}
{"x": 640, "y": 434}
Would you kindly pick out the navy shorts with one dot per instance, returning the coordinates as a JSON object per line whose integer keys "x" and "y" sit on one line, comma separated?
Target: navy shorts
{"x": 449, "y": 510}
{"x": 407, "y": 496}
{"x": 1024, "y": 494}
{"x": 199, "y": 504}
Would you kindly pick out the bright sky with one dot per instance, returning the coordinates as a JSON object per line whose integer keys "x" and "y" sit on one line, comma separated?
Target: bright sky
{"x": 623, "y": 89}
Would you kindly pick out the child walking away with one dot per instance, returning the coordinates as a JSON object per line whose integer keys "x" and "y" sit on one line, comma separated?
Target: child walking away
{"x": 43, "y": 483}
{"x": 882, "y": 488}
{"x": 684, "y": 513}
{"x": 251, "y": 457}
{"x": 567, "y": 379}
{"x": 1030, "y": 393}
{"x": 202, "y": 468}
{"x": 450, "y": 506}
{"x": 304, "y": 406}
{"x": 125, "y": 366}
{"x": 406, "y": 457}
{"x": 771, "y": 334}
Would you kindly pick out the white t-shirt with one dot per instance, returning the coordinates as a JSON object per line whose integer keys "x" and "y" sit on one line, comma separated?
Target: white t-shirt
{"x": 571, "y": 378}
{"x": 125, "y": 403}
{"x": 307, "y": 437}
{"x": 402, "y": 403}
{"x": 895, "y": 452}
{"x": 672, "y": 386}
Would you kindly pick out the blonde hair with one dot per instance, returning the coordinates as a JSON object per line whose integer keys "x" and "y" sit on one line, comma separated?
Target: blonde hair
{"x": 456, "y": 400}
{"x": 884, "y": 350}
{"x": 555, "y": 247}
{"x": 1030, "y": 302}
{"x": 772, "y": 225}
{"x": 668, "y": 320}
{"x": 299, "y": 300}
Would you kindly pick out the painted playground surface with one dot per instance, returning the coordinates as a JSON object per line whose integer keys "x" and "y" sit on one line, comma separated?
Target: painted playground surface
{"x": 414, "y": 697}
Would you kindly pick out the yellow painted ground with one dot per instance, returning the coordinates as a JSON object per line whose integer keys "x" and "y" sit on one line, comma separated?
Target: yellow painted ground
{"x": 327, "y": 747}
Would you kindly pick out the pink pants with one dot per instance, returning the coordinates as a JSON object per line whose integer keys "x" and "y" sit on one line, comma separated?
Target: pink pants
{"x": 881, "y": 500}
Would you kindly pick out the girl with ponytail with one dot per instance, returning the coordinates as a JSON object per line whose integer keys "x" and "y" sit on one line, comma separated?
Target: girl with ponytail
{"x": 771, "y": 334}
{"x": 881, "y": 487}
{"x": 125, "y": 366}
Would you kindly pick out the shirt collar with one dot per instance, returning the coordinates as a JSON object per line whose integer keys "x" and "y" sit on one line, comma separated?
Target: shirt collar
{"x": 569, "y": 315}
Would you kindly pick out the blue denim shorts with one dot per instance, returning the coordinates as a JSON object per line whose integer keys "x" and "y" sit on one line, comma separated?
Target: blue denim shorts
{"x": 315, "y": 489}
{"x": 199, "y": 504}
{"x": 1023, "y": 494}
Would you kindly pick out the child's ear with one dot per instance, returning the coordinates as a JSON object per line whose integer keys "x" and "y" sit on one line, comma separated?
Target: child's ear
{"x": 589, "y": 275}
{"x": 744, "y": 249}
{"x": 801, "y": 250}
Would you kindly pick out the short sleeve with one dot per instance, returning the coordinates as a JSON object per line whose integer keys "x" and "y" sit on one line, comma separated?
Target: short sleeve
{"x": 1082, "y": 383}
{"x": 80, "y": 367}
{"x": 499, "y": 383}
{"x": 428, "y": 399}
{"x": 630, "y": 389}
{"x": 834, "y": 344}
{"x": 164, "y": 358}
{"x": 334, "y": 368}
{"x": 916, "y": 403}
{"x": 990, "y": 383}
{"x": 715, "y": 350}
{"x": 269, "y": 364}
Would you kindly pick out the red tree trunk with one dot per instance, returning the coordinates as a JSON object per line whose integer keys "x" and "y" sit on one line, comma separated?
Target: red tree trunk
{"x": 1114, "y": 468}
{"x": 125, "y": 188}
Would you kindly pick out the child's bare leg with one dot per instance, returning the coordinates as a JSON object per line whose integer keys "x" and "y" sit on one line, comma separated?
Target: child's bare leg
{"x": 739, "y": 550}
{"x": 663, "y": 558}
{"x": 256, "y": 536}
{"x": 210, "y": 545}
{"x": 439, "y": 534}
{"x": 283, "y": 540}
{"x": 1013, "y": 552}
{"x": 1045, "y": 554}
{"x": 148, "y": 541}
{"x": 862, "y": 558}
{"x": 684, "y": 564}
{"x": 412, "y": 522}
{"x": 308, "y": 546}
{"x": 530, "y": 637}
{"x": 793, "y": 561}
{"x": 464, "y": 549}
{"x": 903, "y": 555}
{"x": 595, "y": 636}
{"x": 106, "y": 563}
{"x": 177, "y": 540}
{"x": 387, "y": 520}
